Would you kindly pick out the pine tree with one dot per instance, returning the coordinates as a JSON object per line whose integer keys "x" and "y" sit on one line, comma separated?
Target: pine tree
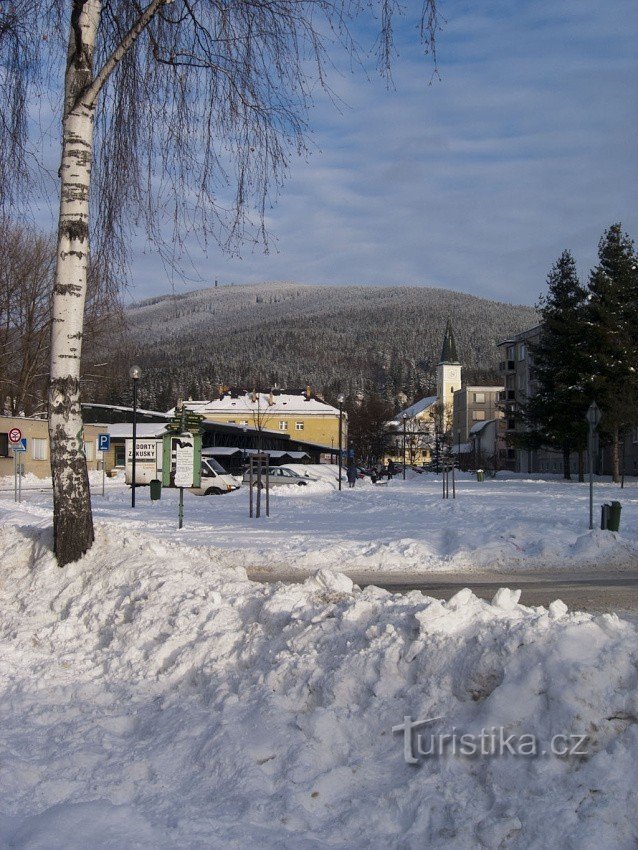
{"x": 555, "y": 414}
{"x": 613, "y": 316}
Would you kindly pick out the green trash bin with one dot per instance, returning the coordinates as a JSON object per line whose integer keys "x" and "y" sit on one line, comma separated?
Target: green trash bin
{"x": 156, "y": 489}
{"x": 480, "y": 475}
{"x": 613, "y": 521}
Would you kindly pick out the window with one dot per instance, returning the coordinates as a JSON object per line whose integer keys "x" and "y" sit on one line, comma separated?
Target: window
{"x": 89, "y": 451}
{"x": 298, "y": 426}
{"x": 510, "y": 352}
{"x": 479, "y": 398}
{"x": 478, "y": 415}
{"x": 4, "y": 445}
{"x": 120, "y": 456}
{"x": 39, "y": 448}
{"x": 521, "y": 351}
{"x": 283, "y": 425}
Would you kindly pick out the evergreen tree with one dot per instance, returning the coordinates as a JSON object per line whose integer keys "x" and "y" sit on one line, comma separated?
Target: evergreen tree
{"x": 613, "y": 316}
{"x": 555, "y": 414}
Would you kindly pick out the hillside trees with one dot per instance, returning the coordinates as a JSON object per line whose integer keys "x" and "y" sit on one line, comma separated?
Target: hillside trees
{"x": 193, "y": 109}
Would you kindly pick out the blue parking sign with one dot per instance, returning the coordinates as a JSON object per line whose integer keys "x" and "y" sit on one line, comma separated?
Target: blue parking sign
{"x": 103, "y": 442}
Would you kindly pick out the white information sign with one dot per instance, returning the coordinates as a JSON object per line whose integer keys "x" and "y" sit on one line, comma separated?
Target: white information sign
{"x": 184, "y": 449}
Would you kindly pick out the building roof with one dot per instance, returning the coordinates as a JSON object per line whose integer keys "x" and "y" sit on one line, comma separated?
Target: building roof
{"x": 266, "y": 404}
{"x": 449, "y": 353}
{"x": 480, "y": 426}
{"x": 415, "y": 409}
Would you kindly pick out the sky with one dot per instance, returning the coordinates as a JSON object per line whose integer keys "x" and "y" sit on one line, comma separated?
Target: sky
{"x": 476, "y": 181}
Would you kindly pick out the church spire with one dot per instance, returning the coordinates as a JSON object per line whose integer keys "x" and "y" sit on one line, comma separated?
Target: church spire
{"x": 449, "y": 355}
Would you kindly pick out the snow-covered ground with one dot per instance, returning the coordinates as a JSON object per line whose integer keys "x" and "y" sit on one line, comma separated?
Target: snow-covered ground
{"x": 503, "y": 524}
{"x": 153, "y": 697}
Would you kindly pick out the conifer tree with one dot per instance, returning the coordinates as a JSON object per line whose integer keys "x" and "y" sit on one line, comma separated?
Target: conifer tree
{"x": 555, "y": 414}
{"x": 613, "y": 337}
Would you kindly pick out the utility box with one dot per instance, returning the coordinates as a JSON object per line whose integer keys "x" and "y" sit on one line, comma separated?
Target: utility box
{"x": 156, "y": 489}
{"x": 480, "y": 475}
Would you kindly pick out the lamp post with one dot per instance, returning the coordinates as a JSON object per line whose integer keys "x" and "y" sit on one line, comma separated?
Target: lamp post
{"x": 340, "y": 399}
{"x": 593, "y": 418}
{"x": 458, "y": 437}
{"x": 135, "y": 373}
{"x": 405, "y": 422}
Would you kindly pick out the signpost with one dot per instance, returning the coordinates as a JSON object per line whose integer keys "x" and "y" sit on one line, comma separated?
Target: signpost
{"x": 18, "y": 445}
{"x": 103, "y": 445}
{"x": 182, "y": 454}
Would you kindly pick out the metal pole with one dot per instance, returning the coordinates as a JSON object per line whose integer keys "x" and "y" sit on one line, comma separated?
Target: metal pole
{"x": 250, "y": 487}
{"x": 591, "y": 476}
{"x": 103, "y": 473}
{"x": 135, "y": 447}
{"x": 15, "y": 476}
{"x": 181, "y": 508}
{"x": 453, "y": 484}
{"x": 404, "y": 424}
{"x": 340, "y": 440}
{"x": 20, "y": 469}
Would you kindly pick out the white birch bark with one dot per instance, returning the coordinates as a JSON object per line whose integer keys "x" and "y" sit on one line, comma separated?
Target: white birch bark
{"x": 72, "y": 517}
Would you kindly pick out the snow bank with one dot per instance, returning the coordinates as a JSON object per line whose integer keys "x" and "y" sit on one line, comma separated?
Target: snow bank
{"x": 154, "y": 698}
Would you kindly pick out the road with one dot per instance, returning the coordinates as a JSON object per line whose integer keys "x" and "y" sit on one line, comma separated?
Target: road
{"x": 581, "y": 591}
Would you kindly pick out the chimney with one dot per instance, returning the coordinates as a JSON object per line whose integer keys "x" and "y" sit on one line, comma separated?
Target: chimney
{"x": 308, "y": 392}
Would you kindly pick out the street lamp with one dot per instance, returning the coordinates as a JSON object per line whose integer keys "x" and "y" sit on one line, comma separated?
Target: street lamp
{"x": 135, "y": 373}
{"x": 458, "y": 435}
{"x": 405, "y": 422}
{"x": 340, "y": 398}
{"x": 592, "y": 416}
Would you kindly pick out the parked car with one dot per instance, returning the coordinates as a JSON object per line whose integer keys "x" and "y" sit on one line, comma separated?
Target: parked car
{"x": 280, "y": 475}
{"x": 215, "y": 479}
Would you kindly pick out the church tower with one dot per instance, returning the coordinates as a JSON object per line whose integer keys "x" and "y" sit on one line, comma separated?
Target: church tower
{"x": 448, "y": 372}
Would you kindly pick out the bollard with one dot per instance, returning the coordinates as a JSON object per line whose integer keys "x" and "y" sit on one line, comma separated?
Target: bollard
{"x": 613, "y": 519}
{"x": 480, "y": 475}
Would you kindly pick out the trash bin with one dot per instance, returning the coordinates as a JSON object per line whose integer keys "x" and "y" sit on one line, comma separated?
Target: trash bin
{"x": 156, "y": 489}
{"x": 613, "y": 519}
{"x": 604, "y": 516}
{"x": 480, "y": 475}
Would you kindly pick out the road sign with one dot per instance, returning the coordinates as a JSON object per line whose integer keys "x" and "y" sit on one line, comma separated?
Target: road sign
{"x": 15, "y": 435}
{"x": 20, "y": 447}
{"x": 103, "y": 442}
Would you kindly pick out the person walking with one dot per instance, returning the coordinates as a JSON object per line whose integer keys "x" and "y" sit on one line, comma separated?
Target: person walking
{"x": 352, "y": 475}
{"x": 391, "y": 470}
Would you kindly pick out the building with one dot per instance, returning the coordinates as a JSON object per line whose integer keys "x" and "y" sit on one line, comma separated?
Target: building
{"x": 299, "y": 415}
{"x": 517, "y": 369}
{"x": 422, "y": 424}
{"x": 36, "y": 460}
{"x": 230, "y": 443}
{"x": 448, "y": 376}
{"x": 473, "y": 405}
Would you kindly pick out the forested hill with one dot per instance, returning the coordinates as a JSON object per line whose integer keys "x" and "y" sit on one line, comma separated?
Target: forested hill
{"x": 335, "y": 338}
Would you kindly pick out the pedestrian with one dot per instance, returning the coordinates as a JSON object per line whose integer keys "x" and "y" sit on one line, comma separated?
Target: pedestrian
{"x": 352, "y": 475}
{"x": 391, "y": 470}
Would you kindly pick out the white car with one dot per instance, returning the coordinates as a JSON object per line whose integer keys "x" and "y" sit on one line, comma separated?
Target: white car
{"x": 278, "y": 475}
{"x": 215, "y": 479}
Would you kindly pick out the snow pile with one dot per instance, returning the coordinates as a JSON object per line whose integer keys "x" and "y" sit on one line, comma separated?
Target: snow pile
{"x": 153, "y": 698}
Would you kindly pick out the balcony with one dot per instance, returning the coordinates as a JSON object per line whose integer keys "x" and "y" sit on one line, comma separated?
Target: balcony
{"x": 507, "y": 366}
{"x": 507, "y": 395}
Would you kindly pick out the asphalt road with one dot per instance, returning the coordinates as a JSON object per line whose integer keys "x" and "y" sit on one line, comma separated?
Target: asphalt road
{"x": 581, "y": 591}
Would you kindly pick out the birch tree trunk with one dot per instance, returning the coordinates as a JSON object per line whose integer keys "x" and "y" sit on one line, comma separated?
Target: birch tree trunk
{"x": 72, "y": 516}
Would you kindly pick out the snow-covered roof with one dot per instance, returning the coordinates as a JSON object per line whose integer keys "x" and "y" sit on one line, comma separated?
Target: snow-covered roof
{"x": 264, "y": 404}
{"x": 479, "y": 426}
{"x": 415, "y": 409}
{"x": 144, "y": 430}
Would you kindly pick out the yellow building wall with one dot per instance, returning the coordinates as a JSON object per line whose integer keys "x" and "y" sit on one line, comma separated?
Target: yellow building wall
{"x": 316, "y": 428}
{"x": 38, "y": 429}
